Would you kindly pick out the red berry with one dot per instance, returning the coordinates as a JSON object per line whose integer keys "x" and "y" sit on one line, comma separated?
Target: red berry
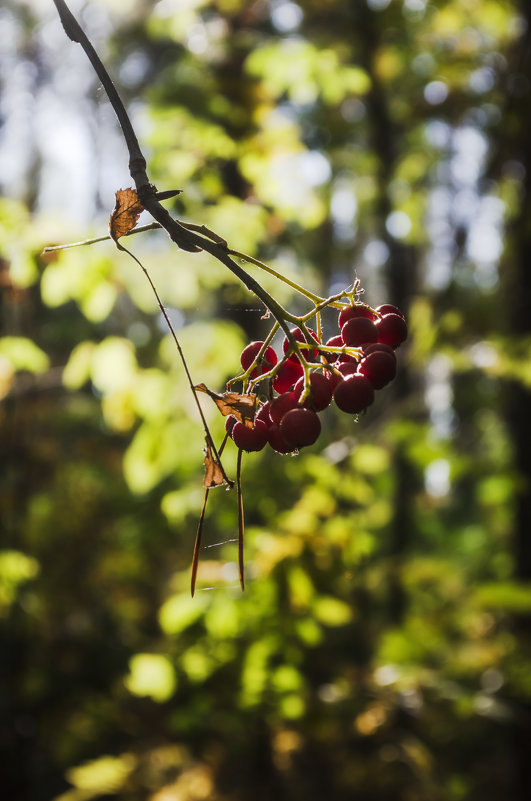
{"x": 250, "y": 439}
{"x": 300, "y": 427}
{"x": 249, "y": 354}
{"x": 320, "y": 391}
{"x": 354, "y": 394}
{"x": 288, "y": 373}
{"x": 379, "y": 367}
{"x": 277, "y": 441}
{"x": 347, "y": 368}
{"x": 374, "y": 346}
{"x": 333, "y": 378}
{"x": 354, "y": 311}
{"x": 284, "y": 403}
{"x": 358, "y": 331}
{"x": 311, "y": 355}
{"x": 263, "y": 414}
{"x": 337, "y": 342}
{"x": 392, "y": 330}
{"x": 388, "y": 308}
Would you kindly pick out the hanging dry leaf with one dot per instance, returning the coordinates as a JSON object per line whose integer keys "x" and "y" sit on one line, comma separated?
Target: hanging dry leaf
{"x": 241, "y": 406}
{"x": 213, "y": 473}
{"x": 126, "y": 212}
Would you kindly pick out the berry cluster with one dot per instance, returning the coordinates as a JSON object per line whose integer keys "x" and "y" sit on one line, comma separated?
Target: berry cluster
{"x": 347, "y": 369}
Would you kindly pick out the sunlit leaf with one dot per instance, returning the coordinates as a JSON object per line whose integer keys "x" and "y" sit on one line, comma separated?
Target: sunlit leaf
{"x": 126, "y": 212}
{"x": 151, "y": 675}
{"x": 242, "y": 407}
{"x": 24, "y": 354}
{"x": 106, "y": 774}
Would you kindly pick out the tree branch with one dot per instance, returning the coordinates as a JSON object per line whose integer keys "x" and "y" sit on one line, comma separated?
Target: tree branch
{"x": 147, "y": 192}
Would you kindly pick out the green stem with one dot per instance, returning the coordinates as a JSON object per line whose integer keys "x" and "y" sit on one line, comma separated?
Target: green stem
{"x": 306, "y": 292}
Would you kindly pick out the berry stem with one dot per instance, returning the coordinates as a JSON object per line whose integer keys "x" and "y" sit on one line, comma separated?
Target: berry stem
{"x": 243, "y": 377}
{"x": 316, "y": 299}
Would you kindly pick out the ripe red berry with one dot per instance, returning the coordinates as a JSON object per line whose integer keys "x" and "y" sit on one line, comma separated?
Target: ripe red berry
{"x": 250, "y": 439}
{"x": 392, "y": 330}
{"x": 277, "y": 441}
{"x": 379, "y": 367}
{"x": 337, "y": 342}
{"x": 320, "y": 391}
{"x": 288, "y": 373}
{"x": 250, "y": 353}
{"x": 345, "y": 368}
{"x": 263, "y": 414}
{"x": 284, "y": 403}
{"x": 388, "y": 308}
{"x": 374, "y": 346}
{"x": 358, "y": 331}
{"x": 300, "y": 427}
{"x": 354, "y": 311}
{"x": 309, "y": 354}
{"x": 354, "y": 394}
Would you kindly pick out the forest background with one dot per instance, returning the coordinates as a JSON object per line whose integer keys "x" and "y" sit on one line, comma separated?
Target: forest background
{"x": 381, "y": 648}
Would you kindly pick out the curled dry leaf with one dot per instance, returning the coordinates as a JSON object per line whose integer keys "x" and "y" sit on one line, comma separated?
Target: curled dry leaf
{"x": 241, "y": 406}
{"x": 126, "y": 212}
{"x": 213, "y": 473}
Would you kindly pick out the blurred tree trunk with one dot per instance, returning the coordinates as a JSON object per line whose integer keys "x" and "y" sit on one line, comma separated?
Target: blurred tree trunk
{"x": 401, "y": 278}
{"x": 517, "y": 145}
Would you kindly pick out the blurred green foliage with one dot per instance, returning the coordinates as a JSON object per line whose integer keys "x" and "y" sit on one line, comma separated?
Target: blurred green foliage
{"x": 381, "y": 648}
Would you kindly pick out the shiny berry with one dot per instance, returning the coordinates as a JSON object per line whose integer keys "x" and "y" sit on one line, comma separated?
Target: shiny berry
{"x": 284, "y": 403}
{"x": 300, "y": 427}
{"x": 287, "y": 375}
{"x": 388, "y": 308}
{"x": 359, "y": 331}
{"x": 310, "y": 355}
{"x": 374, "y": 346}
{"x": 263, "y": 414}
{"x": 379, "y": 367}
{"x": 354, "y": 311}
{"x": 249, "y": 354}
{"x": 250, "y": 439}
{"x": 392, "y": 330}
{"x": 354, "y": 394}
{"x": 337, "y": 342}
{"x": 320, "y": 391}
{"x": 277, "y": 441}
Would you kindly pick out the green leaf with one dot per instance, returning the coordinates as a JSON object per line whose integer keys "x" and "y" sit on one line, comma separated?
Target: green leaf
{"x": 151, "y": 675}
{"x": 24, "y": 354}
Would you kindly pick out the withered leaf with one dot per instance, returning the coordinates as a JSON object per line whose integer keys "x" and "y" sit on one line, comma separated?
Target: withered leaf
{"x": 213, "y": 473}
{"x": 241, "y": 406}
{"x": 126, "y": 212}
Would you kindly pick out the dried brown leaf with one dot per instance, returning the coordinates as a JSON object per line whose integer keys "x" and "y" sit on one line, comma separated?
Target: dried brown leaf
{"x": 214, "y": 476}
{"x": 126, "y": 212}
{"x": 243, "y": 407}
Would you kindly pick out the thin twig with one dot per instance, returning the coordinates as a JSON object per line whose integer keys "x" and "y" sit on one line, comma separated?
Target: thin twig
{"x": 208, "y": 435}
